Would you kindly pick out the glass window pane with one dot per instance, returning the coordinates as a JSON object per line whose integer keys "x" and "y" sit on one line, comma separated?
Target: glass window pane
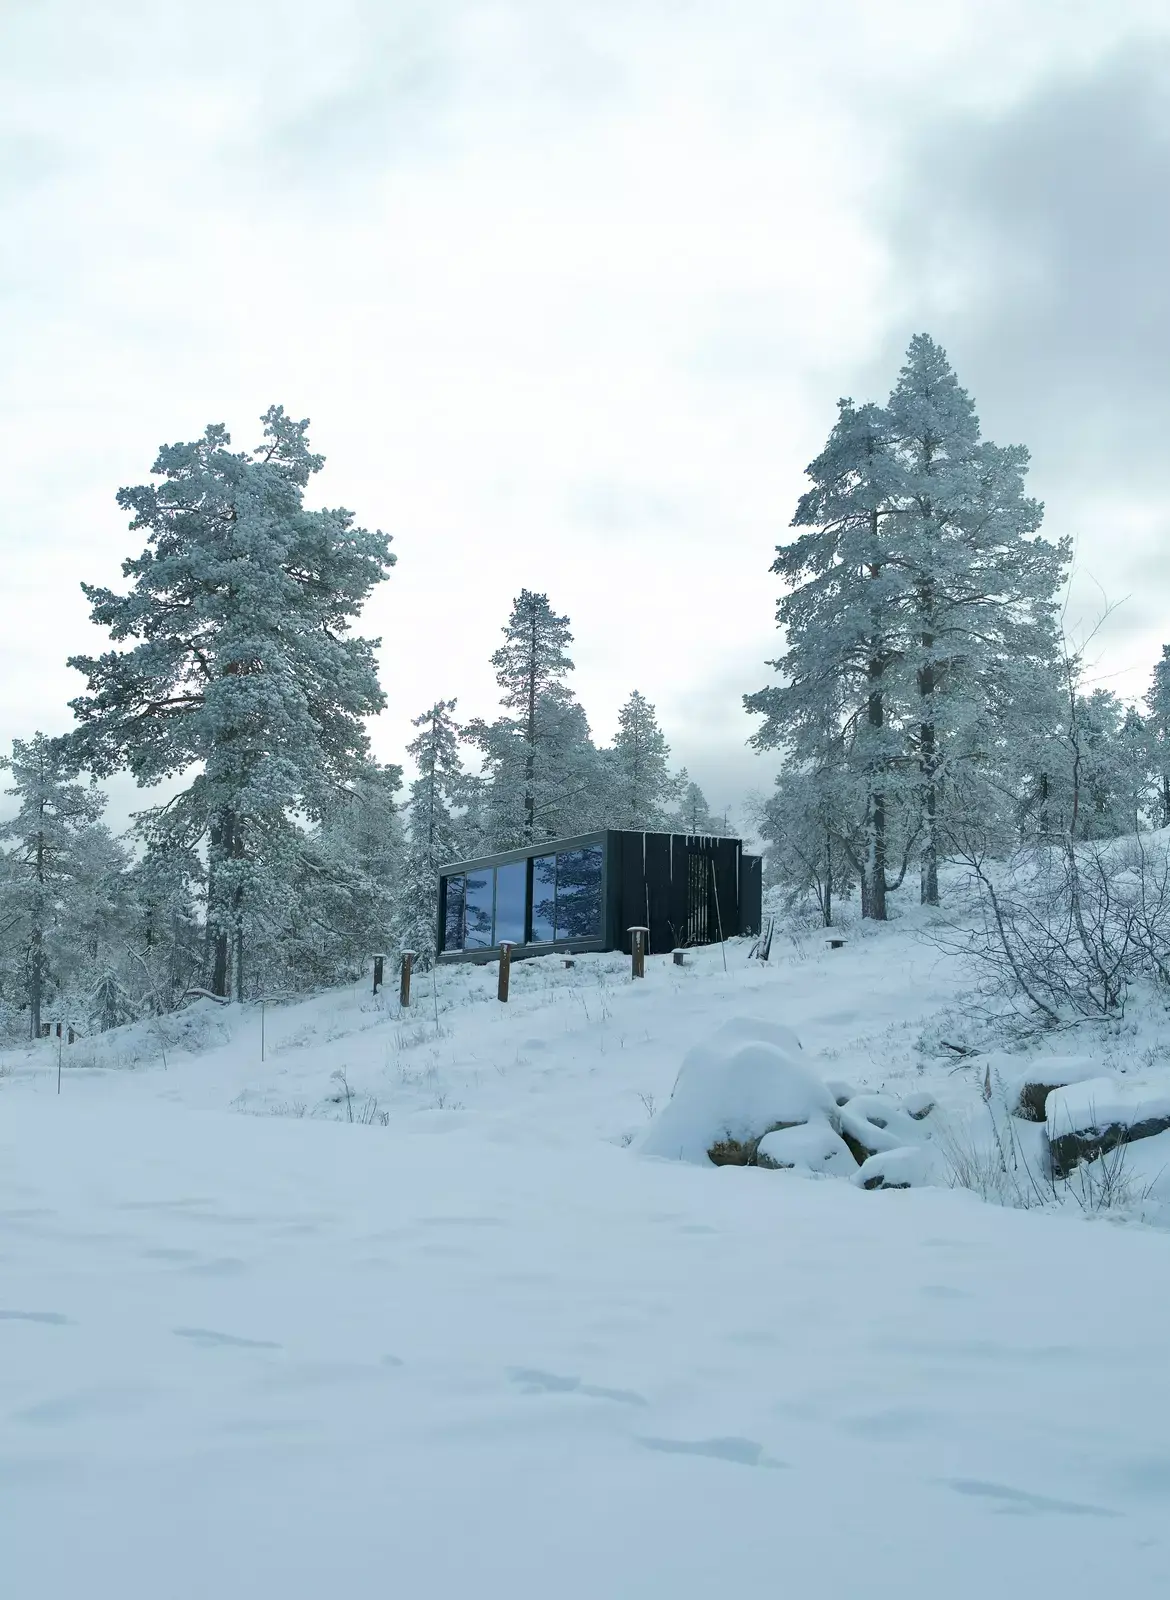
{"x": 579, "y": 893}
{"x": 479, "y": 909}
{"x": 453, "y": 921}
{"x": 511, "y": 884}
{"x": 544, "y": 899}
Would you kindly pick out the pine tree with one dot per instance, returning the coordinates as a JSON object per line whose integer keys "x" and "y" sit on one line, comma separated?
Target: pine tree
{"x": 982, "y": 587}
{"x": 350, "y": 878}
{"x": 844, "y": 620}
{"x": 540, "y": 764}
{"x": 639, "y": 782}
{"x": 45, "y": 872}
{"x": 1158, "y": 728}
{"x": 244, "y": 666}
{"x": 694, "y": 815}
{"x": 435, "y": 835}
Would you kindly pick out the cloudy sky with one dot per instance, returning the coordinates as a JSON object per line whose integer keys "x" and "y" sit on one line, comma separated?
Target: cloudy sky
{"x": 569, "y": 291}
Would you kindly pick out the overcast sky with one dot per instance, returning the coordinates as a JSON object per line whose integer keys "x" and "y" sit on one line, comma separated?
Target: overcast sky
{"x": 569, "y": 291}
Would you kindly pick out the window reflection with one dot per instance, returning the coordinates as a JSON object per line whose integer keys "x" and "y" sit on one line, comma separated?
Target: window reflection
{"x": 479, "y": 909}
{"x": 544, "y": 899}
{"x": 511, "y": 887}
{"x": 453, "y": 920}
{"x": 579, "y": 893}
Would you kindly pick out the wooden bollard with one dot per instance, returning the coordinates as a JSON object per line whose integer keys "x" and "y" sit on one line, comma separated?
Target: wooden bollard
{"x": 379, "y": 971}
{"x": 638, "y": 937}
{"x": 680, "y": 957}
{"x": 569, "y": 962}
{"x": 404, "y": 980}
{"x": 505, "y": 970}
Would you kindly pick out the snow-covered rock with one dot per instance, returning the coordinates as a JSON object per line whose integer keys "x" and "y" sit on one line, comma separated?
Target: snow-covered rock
{"x": 1087, "y": 1119}
{"x": 872, "y": 1123}
{"x": 918, "y": 1104}
{"x": 811, "y": 1147}
{"x": 1028, "y": 1091}
{"x": 743, "y": 1082}
{"x": 910, "y": 1167}
{"x": 840, "y": 1090}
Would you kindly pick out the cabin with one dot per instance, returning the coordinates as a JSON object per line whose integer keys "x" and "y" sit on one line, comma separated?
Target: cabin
{"x": 586, "y": 893}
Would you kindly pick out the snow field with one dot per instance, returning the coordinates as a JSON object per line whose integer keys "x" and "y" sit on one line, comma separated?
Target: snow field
{"x": 484, "y": 1348}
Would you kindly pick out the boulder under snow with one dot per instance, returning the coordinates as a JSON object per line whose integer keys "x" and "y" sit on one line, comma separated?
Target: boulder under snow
{"x": 741, "y": 1084}
{"x": 1086, "y": 1120}
{"x": 811, "y": 1147}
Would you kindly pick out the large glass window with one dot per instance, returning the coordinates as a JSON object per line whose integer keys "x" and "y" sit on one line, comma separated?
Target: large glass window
{"x": 511, "y": 891}
{"x": 478, "y": 933}
{"x": 453, "y": 920}
{"x": 579, "y": 893}
{"x": 544, "y": 899}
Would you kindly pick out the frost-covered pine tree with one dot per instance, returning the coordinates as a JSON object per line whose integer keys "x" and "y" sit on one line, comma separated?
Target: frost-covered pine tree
{"x": 1158, "y": 730}
{"x": 982, "y": 587}
{"x": 435, "y": 832}
{"x": 164, "y": 945}
{"x": 242, "y": 673}
{"x": 350, "y": 879}
{"x": 694, "y": 815}
{"x": 43, "y": 871}
{"x": 640, "y": 786}
{"x": 844, "y": 618}
{"x": 540, "y": 764}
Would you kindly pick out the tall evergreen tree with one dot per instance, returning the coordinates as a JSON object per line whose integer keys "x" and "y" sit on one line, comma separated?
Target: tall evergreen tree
{"x": 435, "y": 834}
{"x": 640, "y": 786}
{"x": 982, "y": 587}
{"x": 843, "y": 614}
{"x": 1158, "y": 728}
{"x": 45, "y": 870}
{"x": 243, "y": 668}
{"x": 694, "y": 815}
{"x": 540, "y": 764}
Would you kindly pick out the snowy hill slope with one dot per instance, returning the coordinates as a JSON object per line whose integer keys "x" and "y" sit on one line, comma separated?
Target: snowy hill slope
{"x": 473, "y": 1345}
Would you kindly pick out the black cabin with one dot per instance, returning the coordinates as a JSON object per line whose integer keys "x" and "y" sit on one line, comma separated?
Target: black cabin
{"x": 586, "y": 893}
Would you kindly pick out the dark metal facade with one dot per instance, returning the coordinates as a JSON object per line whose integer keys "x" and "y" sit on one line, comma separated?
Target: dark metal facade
{"x": 585, "y": 893}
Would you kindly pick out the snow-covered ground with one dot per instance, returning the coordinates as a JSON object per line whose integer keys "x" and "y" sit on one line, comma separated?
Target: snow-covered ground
{"x": 474, "y": 1343}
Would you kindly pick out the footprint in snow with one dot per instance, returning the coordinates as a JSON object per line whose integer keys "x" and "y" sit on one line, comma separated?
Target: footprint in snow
{"x": 209, "y": 1337}
{"x": 742, "y": 1452}
{"x": 1021, "y": 1502}
{"x": 531, "y": 1381}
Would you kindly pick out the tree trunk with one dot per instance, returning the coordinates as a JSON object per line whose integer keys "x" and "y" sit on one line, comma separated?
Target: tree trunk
{"x": 875, "y": 888}
{"x": 928, "y": 765}
{"x": 1166, "y": 799}
{"x": 35, "y": 986}
{"x": 530, "y": 757}
{"x": 219, "y": 851}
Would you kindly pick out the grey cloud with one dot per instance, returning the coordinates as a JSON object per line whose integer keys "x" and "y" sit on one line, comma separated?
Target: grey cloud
{"x": 1053, "y": 219}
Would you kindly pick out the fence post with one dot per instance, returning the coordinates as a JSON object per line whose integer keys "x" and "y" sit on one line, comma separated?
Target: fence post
{"x": 379, "y": 970}
{"x": 505, "y": 970}
{"x": 638, "y": 938}
{"x": 404, "y": 980}
{"x": 680, "y": 957}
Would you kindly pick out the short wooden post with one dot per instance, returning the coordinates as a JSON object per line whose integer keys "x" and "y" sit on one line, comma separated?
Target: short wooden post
{"x": 379, "y": 970}
{"x": 569, "y": 962}
{"x": 638, "y": 937}
{"x": 680, "y": 957}
{"x": 505, "y": 970}
{"x": 404, "y": 981}
{"x": 72, "y": 1035}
